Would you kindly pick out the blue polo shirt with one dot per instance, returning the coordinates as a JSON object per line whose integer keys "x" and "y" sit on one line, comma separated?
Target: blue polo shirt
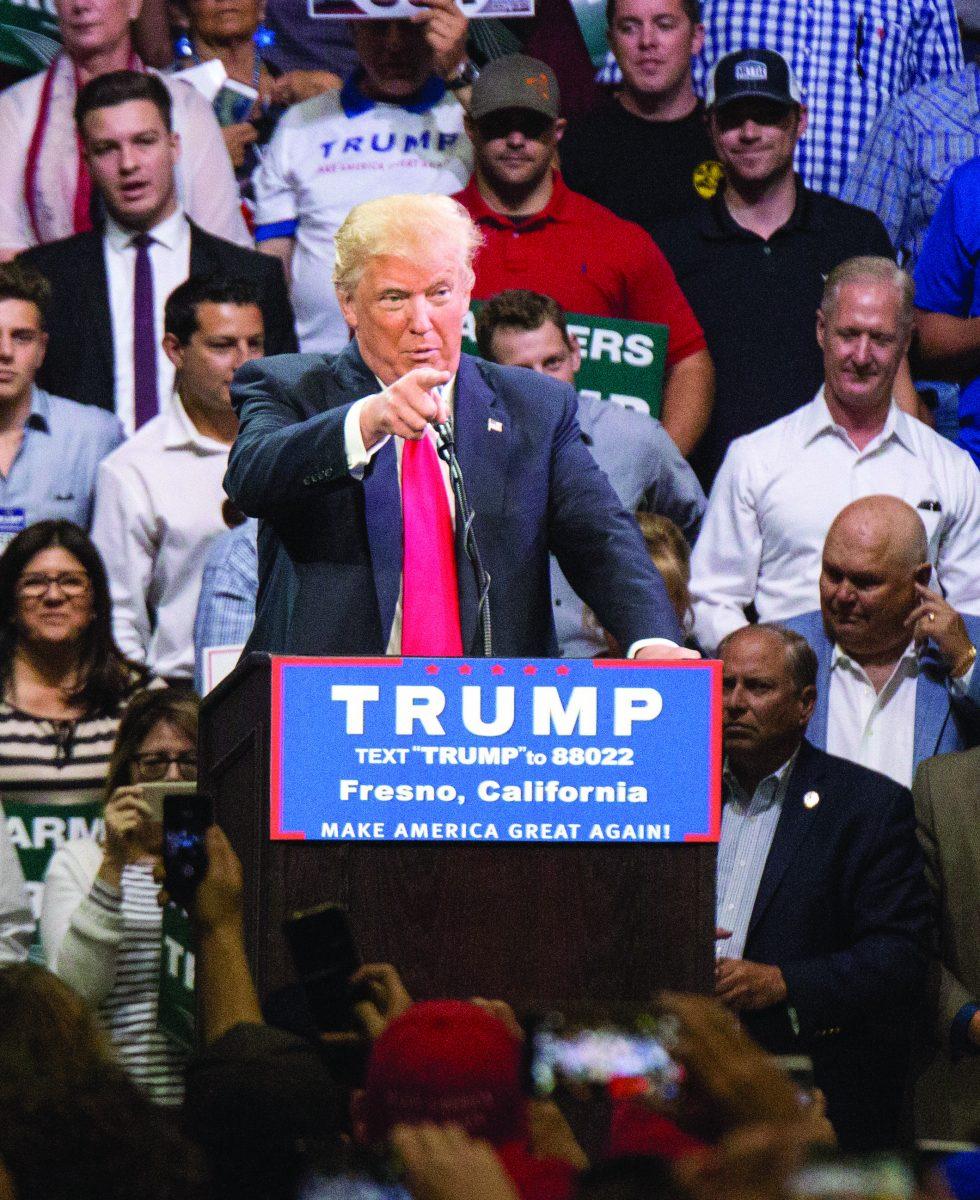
{"x": 947, "y": 279}
{"x": 53, "y": 474}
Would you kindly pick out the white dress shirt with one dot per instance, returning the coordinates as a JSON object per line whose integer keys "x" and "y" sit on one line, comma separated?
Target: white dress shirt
{"x": 778, "y": 492}
{"x": 170, "y": 260}
{"x": 877, "y": 729}
{"x": 158, "y": 501}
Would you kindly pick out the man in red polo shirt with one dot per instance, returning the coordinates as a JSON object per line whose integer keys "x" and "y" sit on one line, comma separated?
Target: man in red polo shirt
{"x": 542, "y": 236}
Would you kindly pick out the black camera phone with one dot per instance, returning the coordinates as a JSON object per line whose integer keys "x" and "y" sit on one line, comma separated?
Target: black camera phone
{"x": 325, "y": 956}
{"x": 186, "y": 818}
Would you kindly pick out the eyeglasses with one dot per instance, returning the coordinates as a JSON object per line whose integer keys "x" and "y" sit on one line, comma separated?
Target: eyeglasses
{"x": 154, "y": 764}
{"x": 69, "y": 583}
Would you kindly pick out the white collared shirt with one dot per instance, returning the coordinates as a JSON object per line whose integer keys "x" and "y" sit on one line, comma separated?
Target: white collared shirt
{"x": 875, "y": 729}
{"x": 779, "y": 490}
{"x": 158, "y": 501}
{"x": 170, "y": 259}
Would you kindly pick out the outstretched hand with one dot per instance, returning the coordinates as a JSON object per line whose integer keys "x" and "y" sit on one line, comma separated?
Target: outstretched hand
{"x": 405, "y": 407}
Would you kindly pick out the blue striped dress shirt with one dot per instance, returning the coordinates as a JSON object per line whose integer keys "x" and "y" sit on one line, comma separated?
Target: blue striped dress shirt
{"x": 748, "y": 825}
{"x": 916, "y": 143}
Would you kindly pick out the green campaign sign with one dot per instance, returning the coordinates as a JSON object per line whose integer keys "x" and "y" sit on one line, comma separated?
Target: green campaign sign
{"x": 177, "y": 1003}
{"x": 622, "y": 361}
{"x": 37, "y": 827}
{"x": 29, "y": 37}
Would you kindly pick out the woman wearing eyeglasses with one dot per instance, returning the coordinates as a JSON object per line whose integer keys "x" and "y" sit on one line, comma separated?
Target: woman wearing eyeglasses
{"x": 100, "y": 921}
{"x": 63, "y": 680}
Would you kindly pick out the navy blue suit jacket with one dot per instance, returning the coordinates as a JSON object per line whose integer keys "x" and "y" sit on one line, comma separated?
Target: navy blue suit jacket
{"x": 330, "y": 550}
{"x": 942, "y": 723}
{"x": 843, "y": 910}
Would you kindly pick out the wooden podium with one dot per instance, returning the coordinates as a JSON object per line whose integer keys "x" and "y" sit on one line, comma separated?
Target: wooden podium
{"x": 542, "y": 926}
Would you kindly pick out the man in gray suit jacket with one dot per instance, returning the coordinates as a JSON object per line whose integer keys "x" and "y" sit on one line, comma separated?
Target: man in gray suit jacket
{"x": 897, "y": 679}
{"x": 946, "y": 1094}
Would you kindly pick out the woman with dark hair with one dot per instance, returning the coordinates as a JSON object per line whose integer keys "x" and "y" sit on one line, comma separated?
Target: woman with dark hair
{"x": 100, "y": 921}
{"x": 72, "y": 1125}
{"x": 64, "y": 681}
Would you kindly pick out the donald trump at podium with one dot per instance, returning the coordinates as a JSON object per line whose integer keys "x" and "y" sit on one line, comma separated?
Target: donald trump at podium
{"x": 362, "y": 541}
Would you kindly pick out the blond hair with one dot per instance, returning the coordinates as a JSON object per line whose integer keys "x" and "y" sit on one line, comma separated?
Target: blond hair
{"x": 877, "y": 269}
{"x": 406, "y": 225}
{"x": 671, "y": 555}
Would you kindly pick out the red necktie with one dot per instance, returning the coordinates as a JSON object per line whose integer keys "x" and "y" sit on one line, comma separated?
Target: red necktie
{"x": 430, "y": 606}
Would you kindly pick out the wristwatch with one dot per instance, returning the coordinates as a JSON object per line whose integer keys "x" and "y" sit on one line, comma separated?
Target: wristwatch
{"x": 958, "y": 670}
{"x": 465, "y": 75}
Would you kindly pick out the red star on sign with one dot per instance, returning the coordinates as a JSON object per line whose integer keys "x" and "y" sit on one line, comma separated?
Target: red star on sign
{"x": 432, "y": 669}
{"x": 466, "y": 669}
{"x": 530, "y": 669}
{"x": 497, "y": 670}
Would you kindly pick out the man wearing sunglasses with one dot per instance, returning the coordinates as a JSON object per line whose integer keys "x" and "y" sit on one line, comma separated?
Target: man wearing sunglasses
{"x": 542, "y": 236}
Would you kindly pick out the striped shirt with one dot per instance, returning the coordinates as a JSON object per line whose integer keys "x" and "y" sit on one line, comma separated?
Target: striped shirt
{"x": 105, "y": 942}
{"x": 129, "y": 1012}
{"x": 850, "y": 58}
{"x": 748, "y": 825}
{"x": 41, "y": 755}
{"x": 229, "y": 585}
{"x": 913, "y": 148}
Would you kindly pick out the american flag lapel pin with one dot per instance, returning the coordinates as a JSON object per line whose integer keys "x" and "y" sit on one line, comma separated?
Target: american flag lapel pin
{"x": 495, "y": 426}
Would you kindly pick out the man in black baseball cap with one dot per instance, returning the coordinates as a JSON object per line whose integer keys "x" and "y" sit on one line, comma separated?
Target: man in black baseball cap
{"x": 753, "y": 261}
{"x": 749, "y": 74}
{"x": 756, "y": 116}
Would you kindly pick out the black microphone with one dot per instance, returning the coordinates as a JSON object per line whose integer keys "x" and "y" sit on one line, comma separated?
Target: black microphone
{"x": 445, "y": 442}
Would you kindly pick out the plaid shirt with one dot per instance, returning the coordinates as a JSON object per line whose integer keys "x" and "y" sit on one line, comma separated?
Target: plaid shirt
{"x": 850, "y": 56}
{"x": 910, "y": 153}
{"x": 229, "y": 585}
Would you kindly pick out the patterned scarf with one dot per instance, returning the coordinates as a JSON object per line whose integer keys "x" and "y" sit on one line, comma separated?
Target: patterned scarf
{"x": 57, "y": 185}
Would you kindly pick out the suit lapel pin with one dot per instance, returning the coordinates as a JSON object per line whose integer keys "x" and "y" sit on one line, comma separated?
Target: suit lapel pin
{"x": 495, "y": 426}
{"x": 811, "y": 800}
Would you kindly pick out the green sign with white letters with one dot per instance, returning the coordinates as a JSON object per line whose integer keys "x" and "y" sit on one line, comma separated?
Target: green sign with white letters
{"x": 622, "y": 361}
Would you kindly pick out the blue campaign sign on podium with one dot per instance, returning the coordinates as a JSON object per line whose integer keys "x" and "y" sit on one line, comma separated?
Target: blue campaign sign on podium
{"x": 529, "y": 750}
